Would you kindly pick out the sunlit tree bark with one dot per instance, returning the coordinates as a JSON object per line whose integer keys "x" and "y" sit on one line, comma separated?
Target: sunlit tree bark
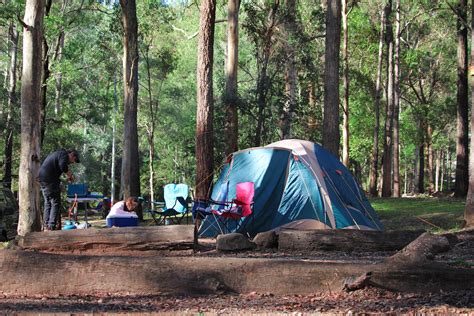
{"x": 388, "y": 136}
{"x": 373, "y": 176}
{"x": 231, "y": 98}
{"x": 205, "y": 106}
{"x": 469, "y": 209}
{"x": 29, "y": 198}
{"x": 396, "y": 105}
{"x": 130, "y": 179}
{"x": 345, "y": 80}
{"x": 462, "y": 121}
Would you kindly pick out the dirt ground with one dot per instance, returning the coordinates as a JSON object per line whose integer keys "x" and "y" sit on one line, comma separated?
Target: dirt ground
{"x": 373, "y": 301}
{"x": 367, "y": 301}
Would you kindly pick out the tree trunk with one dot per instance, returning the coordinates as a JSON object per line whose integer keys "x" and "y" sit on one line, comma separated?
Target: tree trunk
{"x": 262, "y": 79}
{"x": 396, "y": 105}
{"x": 421, "y": 164}
{"x": 44, "y": 88}
{"x": 345, "y": 80}
{"x": 11, "y": 105}
{"x": 29, "y": 199}
{"x": 59, "y": 76}
{"x": 113, "y": 195}
{"x": 469, "y": 208}
{"x": 388, "y": 140}
{"x": 46, "y": 73}
{"x": 287, "y": 113}
{"x": 405, "y": 180}
{"x": 205, "y": 106}
{"x": 111, "y": 240}
{"x": 232, "y": 62}
{"x": 130, "y": 179}
{"x": 331, "y": 82}
{"x": 150, "y": 130}
{"x": 429, "y": 147}
{"x": 443, "y": 170}
{"x": 57, "y": 58}
{"x": 462, "y": 121}
{"x": 448, "y": 169}
{"x": 313, "y": 121}
{"x": 344, "y": 240}
{"x": 437, "y": 169}
{"x": 378, "y": 93}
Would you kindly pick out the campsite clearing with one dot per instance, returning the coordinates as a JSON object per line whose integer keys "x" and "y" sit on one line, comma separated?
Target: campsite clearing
{"x": 178, "y": 263}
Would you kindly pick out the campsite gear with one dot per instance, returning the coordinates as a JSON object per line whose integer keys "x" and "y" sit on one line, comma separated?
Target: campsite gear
{"x": 237, "y": 208}
{"x": 73, "y": 209}
{"x": 120, "y": 216}
{"x": 77, "y": 190}
{"x": 203, "y": 208}
{"x": 175, "y": 206}
{"x": 68, "y": 224}
{"x": 122, "y": 221}
{"x": 299, "y": 185}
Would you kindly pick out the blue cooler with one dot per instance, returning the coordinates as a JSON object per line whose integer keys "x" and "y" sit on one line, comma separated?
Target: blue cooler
{"x": 77, "y": 189}
{"x": 122, "y": 221}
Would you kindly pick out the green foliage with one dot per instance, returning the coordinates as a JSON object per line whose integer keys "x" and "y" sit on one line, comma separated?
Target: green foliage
{"x": 90, "y": 68}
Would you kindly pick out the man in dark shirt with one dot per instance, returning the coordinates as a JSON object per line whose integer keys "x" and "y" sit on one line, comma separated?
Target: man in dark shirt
{"x": 50, "y": 172}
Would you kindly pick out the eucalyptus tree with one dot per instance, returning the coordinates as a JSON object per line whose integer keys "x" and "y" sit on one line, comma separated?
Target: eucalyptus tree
{"x": 469, "y": 209}
{"x": 396, "y": 103}
{"x": 289, "y": 46}
{"x": 204, "y": 112}
{"x": 130, "y": 176}
{"x": 345, "y": 83}
{"x": 378, "y": 95}
{"x": 388, "y": 132}
{"x": 232, "y": 61}
{"x": 331, "y": 134}
{"x": 57, "y": 58}
{"x": 261, "y": 24}
{"x": 462, "y": 174}
{"x": 159, "y": 60}
{"x": 29, "y": 199}
{"x": 10, "y": 112}
{"x": 428, "y": 61}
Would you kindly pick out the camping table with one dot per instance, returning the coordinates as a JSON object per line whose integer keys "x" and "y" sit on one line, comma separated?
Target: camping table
{"x": 85, "y": 201}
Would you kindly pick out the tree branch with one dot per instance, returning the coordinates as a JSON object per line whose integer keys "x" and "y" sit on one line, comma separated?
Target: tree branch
{"x": 27, "y": 27}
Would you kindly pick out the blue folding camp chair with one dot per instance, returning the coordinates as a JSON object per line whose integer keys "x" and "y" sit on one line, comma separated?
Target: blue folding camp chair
{"x": 175, "y": 206}
{"x": 203, "y": 208}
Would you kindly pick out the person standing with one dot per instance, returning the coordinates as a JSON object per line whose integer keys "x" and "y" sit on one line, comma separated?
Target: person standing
{"x": 55, "y": 164}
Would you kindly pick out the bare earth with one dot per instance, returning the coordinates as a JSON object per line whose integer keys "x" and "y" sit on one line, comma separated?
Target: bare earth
{"x": 363, "y": 301}
{"x": 369, "y": 300}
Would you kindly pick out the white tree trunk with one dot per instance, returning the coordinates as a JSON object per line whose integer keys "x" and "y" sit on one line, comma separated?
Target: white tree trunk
{"x": 29, "y": 199}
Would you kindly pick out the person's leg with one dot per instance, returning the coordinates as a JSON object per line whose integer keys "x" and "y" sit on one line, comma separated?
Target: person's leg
{"x": 47, "y": 208}
{"x": 55, "y": 201}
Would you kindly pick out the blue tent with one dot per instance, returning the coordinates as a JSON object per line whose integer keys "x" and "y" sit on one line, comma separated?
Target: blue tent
{"x": 298, "y": 184}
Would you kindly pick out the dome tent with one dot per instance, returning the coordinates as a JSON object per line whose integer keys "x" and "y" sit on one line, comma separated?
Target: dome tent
{"x": 298, "y": 184}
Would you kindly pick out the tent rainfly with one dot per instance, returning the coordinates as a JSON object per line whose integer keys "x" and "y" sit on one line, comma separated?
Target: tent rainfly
{"x": 299, "y": 185}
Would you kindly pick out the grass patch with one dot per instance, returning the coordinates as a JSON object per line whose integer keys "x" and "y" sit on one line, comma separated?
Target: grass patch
{"x": 429, "y": 213}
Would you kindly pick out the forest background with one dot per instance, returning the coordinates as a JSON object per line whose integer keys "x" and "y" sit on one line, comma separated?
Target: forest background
{"x": 82, "y": 87}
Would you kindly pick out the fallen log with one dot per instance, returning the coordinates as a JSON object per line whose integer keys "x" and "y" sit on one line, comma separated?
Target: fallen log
{"x": 344, "y": 240}
{"x": 424, "y": 278}
{"x": 37, "y": 273}
{"x": 420, "y": 250}
{"x": 33, "y": 273}
{"x": 413, "y": 267}
{"x": 111, "y": 239}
